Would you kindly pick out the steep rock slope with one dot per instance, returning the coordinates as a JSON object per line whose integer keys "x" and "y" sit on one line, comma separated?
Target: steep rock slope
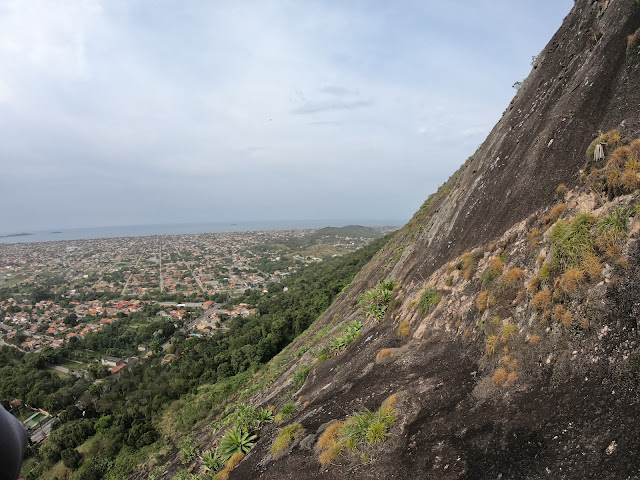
{"x": 504, "y": 342}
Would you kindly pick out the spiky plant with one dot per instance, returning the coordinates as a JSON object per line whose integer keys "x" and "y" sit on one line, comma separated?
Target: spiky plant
{"x": 236, "y": 441}
{"x": 212, "y": 461}
{"x": 264, "y": 416}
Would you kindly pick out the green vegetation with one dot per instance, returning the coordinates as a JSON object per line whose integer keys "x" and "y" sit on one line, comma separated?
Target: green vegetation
{"x": 428, "y": 299}
{"x": 571, "y": 242}
{"x": 357, "y": 434}
{"x": 287, "y": 435}
{"x": 24, "y": 376}
{"x": 187, "y": 451}
{"x": 342, "y": 342}
{"x": 236, "y": 441}
{"x": 287, "y": 410}
{"x": 300, "y": 376}
{"x": 212, "y": 461}
{"x": 614, "y": 225}
{"x": 374, "y": 302}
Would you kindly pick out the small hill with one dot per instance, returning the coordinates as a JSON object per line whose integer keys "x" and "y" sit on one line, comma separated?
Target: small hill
{"x": 351, "y": 231}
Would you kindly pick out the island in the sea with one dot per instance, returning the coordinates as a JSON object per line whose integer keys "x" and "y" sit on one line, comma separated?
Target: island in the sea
{"x": 16, "y": 235}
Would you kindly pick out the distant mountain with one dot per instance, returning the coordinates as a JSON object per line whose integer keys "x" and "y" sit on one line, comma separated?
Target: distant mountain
{"x": 353, "y": 231}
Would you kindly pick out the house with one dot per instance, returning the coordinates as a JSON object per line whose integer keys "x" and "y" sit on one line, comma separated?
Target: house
{"x": 117, "y": 368}
{"x": 112, "y": 361}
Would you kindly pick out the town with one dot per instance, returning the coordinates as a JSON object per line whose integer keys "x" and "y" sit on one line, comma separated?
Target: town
{"x": 55, "y": 291}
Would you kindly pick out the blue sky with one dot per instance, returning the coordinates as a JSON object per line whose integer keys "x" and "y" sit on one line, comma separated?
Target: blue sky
{"x": 121, "y": 112}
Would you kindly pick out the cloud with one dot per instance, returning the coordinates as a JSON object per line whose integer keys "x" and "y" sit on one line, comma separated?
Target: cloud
{"x": 332, "y": 98}
{"x": 330, "y": 106}
{"x": 337, "y": 91}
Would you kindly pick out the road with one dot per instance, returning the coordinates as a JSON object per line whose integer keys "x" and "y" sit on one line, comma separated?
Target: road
{"x": 126, "y": 284}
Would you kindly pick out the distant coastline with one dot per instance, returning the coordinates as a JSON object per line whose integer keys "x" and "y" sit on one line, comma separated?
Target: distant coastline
{"x": 94, "y": 233}
{"x": 16, "y": 235}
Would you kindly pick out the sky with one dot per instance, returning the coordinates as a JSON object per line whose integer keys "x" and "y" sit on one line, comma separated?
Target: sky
{"x": 137, "y": 112}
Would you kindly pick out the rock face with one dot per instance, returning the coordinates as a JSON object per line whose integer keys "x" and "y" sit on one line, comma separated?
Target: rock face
{"x": 506, "y": 353}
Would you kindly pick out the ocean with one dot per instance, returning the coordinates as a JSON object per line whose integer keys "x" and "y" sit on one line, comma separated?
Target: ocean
{"x": 179, "y": 229}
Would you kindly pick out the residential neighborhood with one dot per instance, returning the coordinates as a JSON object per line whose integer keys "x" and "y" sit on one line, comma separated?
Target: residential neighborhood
{"x": 53, "y": 292}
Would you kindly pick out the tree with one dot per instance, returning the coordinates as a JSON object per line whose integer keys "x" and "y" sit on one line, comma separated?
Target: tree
{"x": 71, "y": 458}
{"x": 71, "y": 320}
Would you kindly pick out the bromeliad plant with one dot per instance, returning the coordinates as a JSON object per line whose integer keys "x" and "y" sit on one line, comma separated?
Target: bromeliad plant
{"x": 212, "y": 461}
{"x": 374, "y": 302}
{"x": 236, "y": 441}
{"x": 341, "y": 342}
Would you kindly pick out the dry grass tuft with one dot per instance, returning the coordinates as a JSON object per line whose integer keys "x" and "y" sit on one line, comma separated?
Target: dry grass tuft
{"x": 534, "y": 339}
{"x": 499, "y": 377}
{"x": 562, "y": 188}
{"x": 404, "y": 331}
{"x": 231, "y": 464}
{"x": 555, "y": 213}
{"x": 469, "y": 262}
{"x": 382, "y": 354}
{"x": 544, "y": 317}
{"x": 466, "y": 333}
{"x": 612, "y": 251}
{"x": 491, "y": 344}
{"x": 507, "y": 331}
{"x": 329, "y": 436}
{"x": 629, "y": 180}
{"x": 390, "y": 402}
{"x": 567, "y": 320}
{"x": 570, "y": 280}
{"x": 481, "y": 301}
{"x": 497, "y": 264}
{"x": 330, "y": 454}
{"x": 512, "y": 378}
{"x": 468, "y": 273}
{"x": 512, "y": 276}
{"x": 533, "y": 285}
{"x": 619, "y": 157}
{"x": 541, "y": 300}
{"x": 534, "y": 237}
{"x": 491, "y": 300}
{"x": 558, "y": 313}
{"x": 633, "y": 42}
{"x": 612, "y": 137}
{"x": 591, "y": 266}
{"x": 520, "y": 296}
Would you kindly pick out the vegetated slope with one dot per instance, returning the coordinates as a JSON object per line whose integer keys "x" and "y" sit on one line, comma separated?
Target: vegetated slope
{"x": 346, "y": 231}
{"x": 496, "y": 335}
